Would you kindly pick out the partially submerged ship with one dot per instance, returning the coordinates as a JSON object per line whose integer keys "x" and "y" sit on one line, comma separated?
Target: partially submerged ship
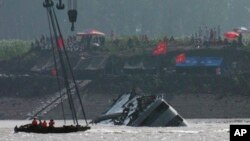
{"x": 134, "y": 110}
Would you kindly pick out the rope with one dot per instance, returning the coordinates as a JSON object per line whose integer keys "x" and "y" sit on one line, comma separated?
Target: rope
{"x": 69, "y": 4}
{"x": 75, "y": 4}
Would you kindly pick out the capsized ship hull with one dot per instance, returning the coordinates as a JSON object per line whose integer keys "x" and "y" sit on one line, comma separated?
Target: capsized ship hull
{"x": 134, "y": 110}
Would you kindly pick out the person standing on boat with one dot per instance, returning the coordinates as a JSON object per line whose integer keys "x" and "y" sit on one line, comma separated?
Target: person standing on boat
{"x": 34, "y": 122}
{"x": 40, "y": 123}
{"x": 51, "y": 123}
{"x": 44, "y": 124}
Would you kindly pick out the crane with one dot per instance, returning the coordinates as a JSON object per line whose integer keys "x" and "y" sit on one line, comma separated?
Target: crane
{"x": 62, "y": 54}
{"x": 72, "y": 11}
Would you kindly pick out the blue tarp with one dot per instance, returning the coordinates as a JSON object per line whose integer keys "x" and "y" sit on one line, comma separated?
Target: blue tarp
{"x": 201, "y": 62}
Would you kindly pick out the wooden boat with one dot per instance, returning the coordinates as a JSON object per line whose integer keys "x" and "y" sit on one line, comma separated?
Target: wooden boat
{"x": 45, "y": 130}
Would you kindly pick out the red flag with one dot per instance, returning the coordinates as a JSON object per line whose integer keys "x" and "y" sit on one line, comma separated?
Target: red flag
{"x": 161, "y": 48}
{"x": 59, "y": 43}
{"x": 180, "y": 58}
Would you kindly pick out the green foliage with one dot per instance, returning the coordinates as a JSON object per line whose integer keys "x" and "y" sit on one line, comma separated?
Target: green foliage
{"x": 13, "y": 48}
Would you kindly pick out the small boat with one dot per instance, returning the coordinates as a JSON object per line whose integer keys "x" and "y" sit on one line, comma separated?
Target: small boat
{"x": 45, "y": 130}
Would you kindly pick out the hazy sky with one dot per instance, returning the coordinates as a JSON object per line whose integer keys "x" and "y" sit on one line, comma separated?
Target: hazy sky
{"x": 27, "y": 19}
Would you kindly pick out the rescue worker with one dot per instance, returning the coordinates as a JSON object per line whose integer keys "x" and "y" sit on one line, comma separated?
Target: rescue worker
{"x": 44, "y": 124}
{"x": 51, "y": 123}
{"x": 34, "y": 122}
{"x": 40, "y": 122}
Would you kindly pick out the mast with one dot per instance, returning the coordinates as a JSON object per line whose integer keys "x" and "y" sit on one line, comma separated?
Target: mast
{"x": 63, "y": 56}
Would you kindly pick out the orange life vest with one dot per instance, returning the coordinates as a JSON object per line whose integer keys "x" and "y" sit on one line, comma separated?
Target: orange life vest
{"x": 44, "y": 124}
{"x": 34, "y": 122}
{"x": 51, "y": 123}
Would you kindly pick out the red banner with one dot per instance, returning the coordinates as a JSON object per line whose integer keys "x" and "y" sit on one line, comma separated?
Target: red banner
{"x": 59, "y": 43}
{"x": 180, "y": 58}
{"x": 161, "y": 48}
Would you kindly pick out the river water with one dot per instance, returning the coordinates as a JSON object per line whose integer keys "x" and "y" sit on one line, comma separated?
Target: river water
{"x": 197, "y": 130}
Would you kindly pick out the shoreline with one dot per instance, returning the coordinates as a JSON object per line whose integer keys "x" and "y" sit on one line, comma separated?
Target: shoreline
{"x": 189, "y": 106}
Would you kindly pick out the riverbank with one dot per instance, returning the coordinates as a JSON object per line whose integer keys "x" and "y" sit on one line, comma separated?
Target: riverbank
{"x": 188, "y": 105}
{"x": 192, "y": 95}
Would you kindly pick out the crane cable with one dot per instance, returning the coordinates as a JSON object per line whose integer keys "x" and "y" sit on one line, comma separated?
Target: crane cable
{"x": 56, "y": 67}
{"x": 66, "y": 80}
{"x": 48, "y": 4}
{"x": 60, "y": 45}
{"x": 71, "y": 71}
